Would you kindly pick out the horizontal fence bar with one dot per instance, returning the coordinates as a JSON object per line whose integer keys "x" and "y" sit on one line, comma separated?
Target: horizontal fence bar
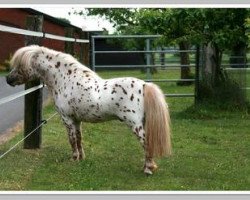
{"x": 57, "y": 37}
{"x": 20, "y": 31}
{"x": 170, "y": 80}
{"x": 40, "y": 34}
{"x": 235, "y": 64}
{"x": 126, "y": 36}
{"x": 237, "y": 69}
{"x": 19, "y": 94}
{"x": 179, "y": 95}
{"x": 82, "y": 41}
{"x": 151, "y": 51}
{"x": 142, "y": 66}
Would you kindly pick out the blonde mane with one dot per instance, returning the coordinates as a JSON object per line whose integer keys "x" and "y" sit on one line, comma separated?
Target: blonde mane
{"x": 23, "y": 56}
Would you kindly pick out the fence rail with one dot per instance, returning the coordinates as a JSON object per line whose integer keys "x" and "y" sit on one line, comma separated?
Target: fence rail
{"x": 19, "y": 94}
{"x": 40, "y": 34}
{"x": 148, "y": 51}
{"x": 33, "y": 102}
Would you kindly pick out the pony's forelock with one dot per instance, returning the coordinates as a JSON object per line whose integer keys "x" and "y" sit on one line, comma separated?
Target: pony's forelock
{"x": 23, "y": 56}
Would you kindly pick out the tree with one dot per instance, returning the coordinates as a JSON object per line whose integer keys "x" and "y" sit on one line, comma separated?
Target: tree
{"x": 151, "y": 21}
{"x": 64, "y": 20}
{"x": 224, "y": 29}
{"x": 219, "y": 30}
{"x": 178, "y": 26}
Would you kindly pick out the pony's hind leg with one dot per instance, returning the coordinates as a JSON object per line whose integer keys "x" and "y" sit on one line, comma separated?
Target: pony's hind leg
{"x": 79, "y": 142}
{"x": 74, "y": 134}
{"x": 149, "y": 165}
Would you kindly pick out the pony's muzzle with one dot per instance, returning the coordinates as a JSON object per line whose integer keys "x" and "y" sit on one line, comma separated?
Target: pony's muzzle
{"x": 10, "y": 80}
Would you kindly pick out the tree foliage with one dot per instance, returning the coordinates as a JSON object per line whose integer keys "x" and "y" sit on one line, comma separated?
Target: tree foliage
{"x": 218, "y": 29}
{"x": 224, "y": 27}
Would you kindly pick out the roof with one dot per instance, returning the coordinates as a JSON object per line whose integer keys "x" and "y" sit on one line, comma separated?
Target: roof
{"x": 50, "y": 18}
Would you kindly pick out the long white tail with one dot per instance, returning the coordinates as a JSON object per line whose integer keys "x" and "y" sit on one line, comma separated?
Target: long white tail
{"x": 157, "y": 122}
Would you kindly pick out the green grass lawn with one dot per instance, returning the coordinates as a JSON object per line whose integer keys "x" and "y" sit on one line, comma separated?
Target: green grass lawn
{"x": 3, "y": 73}
{"x": 211, "y": 152}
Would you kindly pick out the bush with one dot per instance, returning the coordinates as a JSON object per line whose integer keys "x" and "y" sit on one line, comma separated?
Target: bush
{"x": 6, "y": 64}
{"x": 227, "y": 94}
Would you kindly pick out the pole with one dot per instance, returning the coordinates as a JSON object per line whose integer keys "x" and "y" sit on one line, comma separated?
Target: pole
{"x": 148, "y": 60}
{"x": 197, "y": 75}
{"x": 33, "y": 101}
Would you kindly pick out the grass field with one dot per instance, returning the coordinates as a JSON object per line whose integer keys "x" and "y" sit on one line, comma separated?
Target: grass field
{"x": 211, "y": 152}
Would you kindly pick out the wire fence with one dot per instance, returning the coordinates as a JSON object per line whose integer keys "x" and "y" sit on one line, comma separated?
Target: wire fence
{"x": 12, "y": 97}
{"x": 15, "y": 145}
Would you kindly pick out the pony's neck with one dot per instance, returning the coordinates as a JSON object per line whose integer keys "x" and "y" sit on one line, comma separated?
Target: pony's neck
{"x": 49, "y": 66}
{"x": 54, "y": 67}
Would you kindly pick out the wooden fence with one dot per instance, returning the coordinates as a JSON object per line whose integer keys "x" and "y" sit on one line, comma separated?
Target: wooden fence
{"x": 34, "y": 89}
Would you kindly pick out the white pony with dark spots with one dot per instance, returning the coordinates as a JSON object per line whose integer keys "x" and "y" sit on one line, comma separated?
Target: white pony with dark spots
{"x": 81, "y": 95}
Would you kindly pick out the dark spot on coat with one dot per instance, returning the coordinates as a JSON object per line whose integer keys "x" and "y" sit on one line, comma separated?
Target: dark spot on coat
{"x": 132, "y": 97}
{"x": 136, "y": 130}
{"x": 124, "y": 91}
{"x": 69, "y": 71}
{"x": 57, "y": 65}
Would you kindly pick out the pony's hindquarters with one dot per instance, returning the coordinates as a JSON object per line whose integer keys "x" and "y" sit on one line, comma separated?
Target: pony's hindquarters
{"x": 157, "y": 122}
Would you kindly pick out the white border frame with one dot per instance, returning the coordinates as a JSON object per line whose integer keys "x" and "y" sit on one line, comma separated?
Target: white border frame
{"x": 126, "y": 194}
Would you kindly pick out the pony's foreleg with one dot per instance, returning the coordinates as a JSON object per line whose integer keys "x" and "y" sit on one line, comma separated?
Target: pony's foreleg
{"x": 149, "y": 164}
{"x": 74, "y": 134}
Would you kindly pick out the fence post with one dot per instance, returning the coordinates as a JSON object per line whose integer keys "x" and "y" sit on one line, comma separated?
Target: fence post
{"x": 33, "y": 101}
{"x": 148, "y": 60}
{"x": 69, "y": 46}
{"x": 85, "y": 50}
{"x": 197, "y": 74}
{"x": 92, "y": 52}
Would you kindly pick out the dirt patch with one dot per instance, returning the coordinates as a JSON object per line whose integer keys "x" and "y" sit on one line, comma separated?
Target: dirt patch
{"x": 11, "y": 132}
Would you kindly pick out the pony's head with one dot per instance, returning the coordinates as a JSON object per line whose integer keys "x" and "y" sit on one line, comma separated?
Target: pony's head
{"x": 22, "y": 65}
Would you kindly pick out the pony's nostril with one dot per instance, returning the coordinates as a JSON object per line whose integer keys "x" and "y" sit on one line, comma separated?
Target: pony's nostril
{"x": 9, "y": 80}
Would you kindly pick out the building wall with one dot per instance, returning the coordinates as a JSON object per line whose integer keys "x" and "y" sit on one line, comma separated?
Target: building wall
{"x": 16, "y": 17}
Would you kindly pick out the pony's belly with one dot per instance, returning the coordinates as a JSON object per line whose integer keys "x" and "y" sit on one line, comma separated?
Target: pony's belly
{"x": 92, "y": 115}
{"x": 95, "y": 118}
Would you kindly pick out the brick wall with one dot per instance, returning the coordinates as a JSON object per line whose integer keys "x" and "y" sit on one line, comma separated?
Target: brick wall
{"x": 16, "y": 17}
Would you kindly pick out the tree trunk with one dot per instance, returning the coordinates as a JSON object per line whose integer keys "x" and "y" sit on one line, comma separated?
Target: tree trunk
{"x": 212, "y": 72}
{"x": 185, "y": 62}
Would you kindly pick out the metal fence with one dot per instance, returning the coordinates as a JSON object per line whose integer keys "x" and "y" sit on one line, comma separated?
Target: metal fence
{"x": 148, "y": 51}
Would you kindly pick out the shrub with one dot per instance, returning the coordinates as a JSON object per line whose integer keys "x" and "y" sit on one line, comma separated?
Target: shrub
{"x": 226, "y": 94}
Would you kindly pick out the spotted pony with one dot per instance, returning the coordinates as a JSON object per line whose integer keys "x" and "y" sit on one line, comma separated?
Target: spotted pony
{"x": 81, "y": 95}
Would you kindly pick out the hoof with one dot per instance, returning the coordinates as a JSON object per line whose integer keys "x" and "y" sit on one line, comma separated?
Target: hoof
{"x": 81, "y": 157}
{"x": 153, "y": 167}
{"x": 147, "y": 171}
